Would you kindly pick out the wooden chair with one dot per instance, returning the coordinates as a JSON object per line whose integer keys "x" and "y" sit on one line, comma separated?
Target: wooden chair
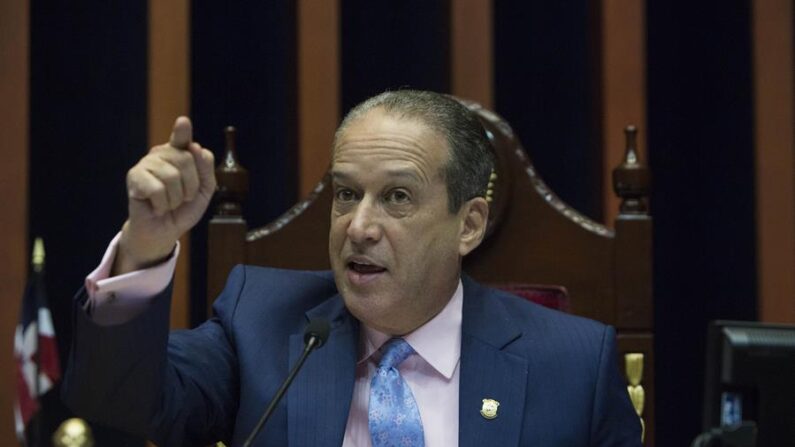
{"x": 533, "y": 238}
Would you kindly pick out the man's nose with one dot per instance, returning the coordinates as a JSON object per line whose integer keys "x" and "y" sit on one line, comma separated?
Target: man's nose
{"x": 365, "y": 226}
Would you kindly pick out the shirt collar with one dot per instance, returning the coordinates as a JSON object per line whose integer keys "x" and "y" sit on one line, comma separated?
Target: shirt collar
{"x": 437, "y": 342}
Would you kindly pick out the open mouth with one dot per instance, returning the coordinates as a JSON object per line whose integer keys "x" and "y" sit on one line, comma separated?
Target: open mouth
{"x": 362, "y": 271}
{"x": 364, "y": 268}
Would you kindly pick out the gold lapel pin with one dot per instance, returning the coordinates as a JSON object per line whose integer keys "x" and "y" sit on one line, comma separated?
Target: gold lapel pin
{"x": 489, "y": 408}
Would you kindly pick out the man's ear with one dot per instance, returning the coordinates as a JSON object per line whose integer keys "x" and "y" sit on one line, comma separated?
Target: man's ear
{"x": 475, "y": 216}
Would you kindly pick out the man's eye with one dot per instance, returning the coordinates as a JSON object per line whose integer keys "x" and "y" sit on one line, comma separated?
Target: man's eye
{"x": 344, "y": 195}
{"x": 398, "y": 196}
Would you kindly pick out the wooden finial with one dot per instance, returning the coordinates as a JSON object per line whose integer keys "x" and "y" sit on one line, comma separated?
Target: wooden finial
{"x": 232, "y": 179}
{"x": 631, "y": 178}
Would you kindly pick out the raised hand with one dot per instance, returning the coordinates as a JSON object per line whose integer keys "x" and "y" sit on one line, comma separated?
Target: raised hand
{"x": 169, "y": 190}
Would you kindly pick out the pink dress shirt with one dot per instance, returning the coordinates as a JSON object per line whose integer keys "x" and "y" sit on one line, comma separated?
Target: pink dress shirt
{"x": 432, "y": 373}
{"x": 115, "y": 300}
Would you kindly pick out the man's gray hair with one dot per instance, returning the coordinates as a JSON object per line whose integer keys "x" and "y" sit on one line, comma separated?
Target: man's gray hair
{"x": 471, "y": 160}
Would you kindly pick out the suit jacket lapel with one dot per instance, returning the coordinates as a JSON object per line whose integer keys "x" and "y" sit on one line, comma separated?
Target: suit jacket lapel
{"x": 489, "y": 371}
{"x": 319, "y": 400}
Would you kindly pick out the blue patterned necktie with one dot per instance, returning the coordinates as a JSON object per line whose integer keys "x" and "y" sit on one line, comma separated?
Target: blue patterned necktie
{"x": 394, "y": 418}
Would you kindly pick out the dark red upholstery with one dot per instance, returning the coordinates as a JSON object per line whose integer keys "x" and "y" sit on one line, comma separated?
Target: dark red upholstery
{"x": 553, "y": 297}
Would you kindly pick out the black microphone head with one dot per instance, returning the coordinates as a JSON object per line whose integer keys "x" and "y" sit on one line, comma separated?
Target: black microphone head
{"x": 319, "y": 330}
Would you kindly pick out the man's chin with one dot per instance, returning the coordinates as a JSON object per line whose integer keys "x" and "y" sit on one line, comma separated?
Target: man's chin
{"x": 370, "y": 311}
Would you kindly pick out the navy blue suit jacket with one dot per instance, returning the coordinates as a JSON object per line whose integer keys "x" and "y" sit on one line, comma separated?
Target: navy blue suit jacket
{"x": 555, "y": 375}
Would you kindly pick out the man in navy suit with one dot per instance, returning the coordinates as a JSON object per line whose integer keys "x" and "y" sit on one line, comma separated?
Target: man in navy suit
{"x": 409, "y": 172}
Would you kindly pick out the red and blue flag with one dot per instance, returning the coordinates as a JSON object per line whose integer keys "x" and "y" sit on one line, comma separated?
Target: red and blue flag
{"x": 35, "y": 349}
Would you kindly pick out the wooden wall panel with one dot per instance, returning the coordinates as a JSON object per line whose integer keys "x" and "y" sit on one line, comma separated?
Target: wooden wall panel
{"x": 471, "y": 52}
{"x": 14, "y": 47}
{"x": 169, "y": 97}
{"x": 318, "y": 88}
{"x": 623, "y": 88}
{"x": 775, "y": 158}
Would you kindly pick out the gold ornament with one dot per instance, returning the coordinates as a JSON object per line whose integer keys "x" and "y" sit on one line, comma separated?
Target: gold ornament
{"x": 73, "y": 432}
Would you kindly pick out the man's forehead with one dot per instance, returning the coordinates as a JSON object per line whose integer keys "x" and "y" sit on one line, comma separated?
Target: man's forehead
{"x": 379, "y": 129}
{"x": 349, "y": 173}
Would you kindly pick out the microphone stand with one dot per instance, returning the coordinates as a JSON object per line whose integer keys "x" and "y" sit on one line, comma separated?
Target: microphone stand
{"x": 312, "y": 343}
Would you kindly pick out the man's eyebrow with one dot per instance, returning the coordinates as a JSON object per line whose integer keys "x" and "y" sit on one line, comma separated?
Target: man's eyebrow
{"x": 343, "y": 176}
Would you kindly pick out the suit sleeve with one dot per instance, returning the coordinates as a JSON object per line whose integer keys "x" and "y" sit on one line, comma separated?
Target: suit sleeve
{"x": 614, "y": 421}
{"x": 176, "y": 389}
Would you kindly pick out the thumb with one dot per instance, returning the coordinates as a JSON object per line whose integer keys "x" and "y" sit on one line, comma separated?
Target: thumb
{"x": 182, "y": 133}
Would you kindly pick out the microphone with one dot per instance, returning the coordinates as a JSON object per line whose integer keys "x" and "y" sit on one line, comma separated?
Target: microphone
{"x": 315, "y": 336}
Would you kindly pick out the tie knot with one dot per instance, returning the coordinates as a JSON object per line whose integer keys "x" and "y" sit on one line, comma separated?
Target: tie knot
{"x": 394, "y": 352}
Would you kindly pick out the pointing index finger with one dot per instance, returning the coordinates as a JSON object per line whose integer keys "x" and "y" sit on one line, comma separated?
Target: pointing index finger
{"x": 182, "y": 134}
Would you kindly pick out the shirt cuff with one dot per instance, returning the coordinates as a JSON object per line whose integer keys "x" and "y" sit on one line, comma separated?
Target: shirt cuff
{"x": 113, "y": 300}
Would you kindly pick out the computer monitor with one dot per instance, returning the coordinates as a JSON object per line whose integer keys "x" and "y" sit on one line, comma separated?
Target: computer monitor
{"x": 750, "y": 376}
